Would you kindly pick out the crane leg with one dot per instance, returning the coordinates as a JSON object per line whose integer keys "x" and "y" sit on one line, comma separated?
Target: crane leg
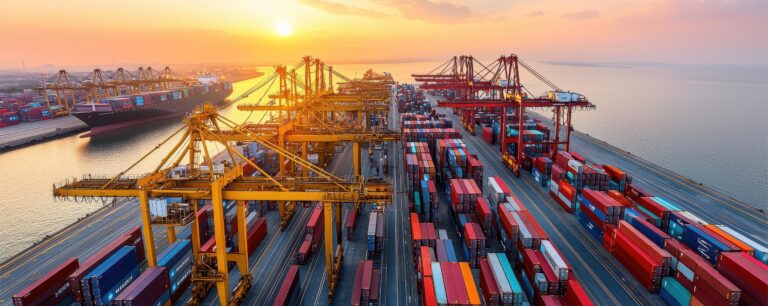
{"x": 242, "y": 239}
{"x": 171, "y": 231}
{"x": 222, "y": 284}
{"x": 146, "y": 226}
{"x": 356, "y": 158}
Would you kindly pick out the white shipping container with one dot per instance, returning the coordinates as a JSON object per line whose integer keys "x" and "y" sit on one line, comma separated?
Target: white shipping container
{"x": 494, "y": 192}
{"x": 693, "y": 217}
{"x": 575, "y": 165}
{"x": 501, "y": 278}
{"x": 514, "y": 204}
{"x": 758, "y": 247}
{"x": 158, "y": 207}
{"x": 554, "y": 260}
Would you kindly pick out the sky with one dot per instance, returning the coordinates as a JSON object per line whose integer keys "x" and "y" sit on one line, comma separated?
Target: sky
{"x": 92, "y": 33}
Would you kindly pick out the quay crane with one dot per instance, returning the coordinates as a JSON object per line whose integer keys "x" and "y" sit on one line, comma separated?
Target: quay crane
{"x": 315, "y": 116}
{"x": 497, "y": 85}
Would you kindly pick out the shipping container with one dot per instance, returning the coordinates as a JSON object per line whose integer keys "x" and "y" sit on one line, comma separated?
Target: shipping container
{"x": 50, "y": 289}
{"x": 152, "y": 287}
{"x": 106, "y": 281}
{"x": 289, "y": 289}
{"x": 94, "y": 261}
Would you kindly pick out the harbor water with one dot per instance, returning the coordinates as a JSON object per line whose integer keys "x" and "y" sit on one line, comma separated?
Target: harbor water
{"x": 705, "y": 123}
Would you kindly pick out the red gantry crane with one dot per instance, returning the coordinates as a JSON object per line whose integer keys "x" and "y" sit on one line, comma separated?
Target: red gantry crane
{"x": 497, "y": 88}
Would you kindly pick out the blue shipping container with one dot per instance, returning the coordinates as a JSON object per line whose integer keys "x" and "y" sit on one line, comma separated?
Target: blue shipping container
{"x": 449, "y": 250}
{"x": 178, "y": 260}
{"x": 113, "y": 276}
{"x": 646, "y": 228}
{"x": 590, "y": 226}
{"x": 708, "y": 247}
{"x": 673, "y": 293}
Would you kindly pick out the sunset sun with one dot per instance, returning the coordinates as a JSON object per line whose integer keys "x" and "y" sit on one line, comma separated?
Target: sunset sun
{"x": 284, "y": 28}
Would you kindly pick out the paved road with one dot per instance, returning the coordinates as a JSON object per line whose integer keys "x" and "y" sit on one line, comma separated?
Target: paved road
{"x": 605, "y": 279}
{"x": 80, "y": 240}
{"x": 32, "y": 131}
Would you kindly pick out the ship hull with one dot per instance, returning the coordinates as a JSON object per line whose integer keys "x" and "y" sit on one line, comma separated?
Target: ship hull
{"x": 103, "y": 122}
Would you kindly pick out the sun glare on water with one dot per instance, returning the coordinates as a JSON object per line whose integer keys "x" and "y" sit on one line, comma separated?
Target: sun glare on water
{"x": 284, "y": 28}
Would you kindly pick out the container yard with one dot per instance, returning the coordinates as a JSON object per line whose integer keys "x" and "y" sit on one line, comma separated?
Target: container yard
{"x": 451, "y": 190}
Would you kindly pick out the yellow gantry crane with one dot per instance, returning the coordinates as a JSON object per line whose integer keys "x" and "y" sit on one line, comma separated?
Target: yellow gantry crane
{"x": 309, "y": 112}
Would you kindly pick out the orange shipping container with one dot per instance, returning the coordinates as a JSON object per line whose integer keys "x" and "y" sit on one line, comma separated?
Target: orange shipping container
{"x": 469, "y": 282}
{"x": 738, "y": 243}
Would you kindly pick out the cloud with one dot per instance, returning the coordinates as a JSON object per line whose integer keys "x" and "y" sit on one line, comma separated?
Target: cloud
{"x": 342, "y": 9}
{"x": 536, "y": 13}
{"x": 581, "y": 15}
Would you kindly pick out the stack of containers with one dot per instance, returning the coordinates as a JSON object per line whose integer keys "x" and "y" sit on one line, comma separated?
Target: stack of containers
{"x": 574, "y": 169}
{"x": 508, "y": 226}
{"x": 106, "y": 281}
{"x": 375, "y": 237}
{"x": 564, "y": 193}
{"x": 496, "y": 192}
{"x": 511, "y": 292}
{"x": 177, "y": 259}
{"x": 365, "y": 290}
{"x": 256, "y": 234}
{"x": 746, "y": 272}
{"x": 130, "y": 238}
{"x": 485, "y": 219}
{"x": 464, "y": 194}
{"x": 542, "y": 170}
{"x": 644, "y": 259}
{"x": 597, "y": 209}
{"x": 453, "y": 284}
{"x": 152, "y": 287}
{"x": 619, "y": 178}
{"x": 474, "y": 243}
{"x": 426, "y": 201}
{"x": 51, "y": 289}
{"x": 595, "y": 177}
{"x": 475, "y": 170}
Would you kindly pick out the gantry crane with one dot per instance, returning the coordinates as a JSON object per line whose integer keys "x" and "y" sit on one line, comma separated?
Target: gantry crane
{"x": 64, "y": 89}
{"x": 498, "y": 86}
{"x": 310, "y": 117}
{"x": 230, "y": 184}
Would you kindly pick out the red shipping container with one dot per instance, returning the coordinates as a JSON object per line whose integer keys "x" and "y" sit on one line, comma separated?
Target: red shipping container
{"x": 94, "y": 261}
{"x": 745, "y": 273}
{"x": 575, "y": 293}
{"x": 651, "y": 205}
{"x": 488, "y": 284}
{"x": 450, "y": 286}
{"x": 458, "y": 283}
{"x": 620, "y": 198}
{"x": 291, "y": 280}
{"x": 609, "y": 234}
{"x": 654, "y": 251}
{"x": 428, "y": 292}
{"x": 426, "y": 262}
{"x": 45, "y": 289}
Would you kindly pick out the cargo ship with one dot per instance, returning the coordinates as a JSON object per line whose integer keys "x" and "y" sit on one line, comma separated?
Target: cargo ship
{"x": 123, "y": 111}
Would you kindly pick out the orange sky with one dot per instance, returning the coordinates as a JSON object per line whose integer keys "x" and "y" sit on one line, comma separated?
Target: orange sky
{"x": 90, "y": 33}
